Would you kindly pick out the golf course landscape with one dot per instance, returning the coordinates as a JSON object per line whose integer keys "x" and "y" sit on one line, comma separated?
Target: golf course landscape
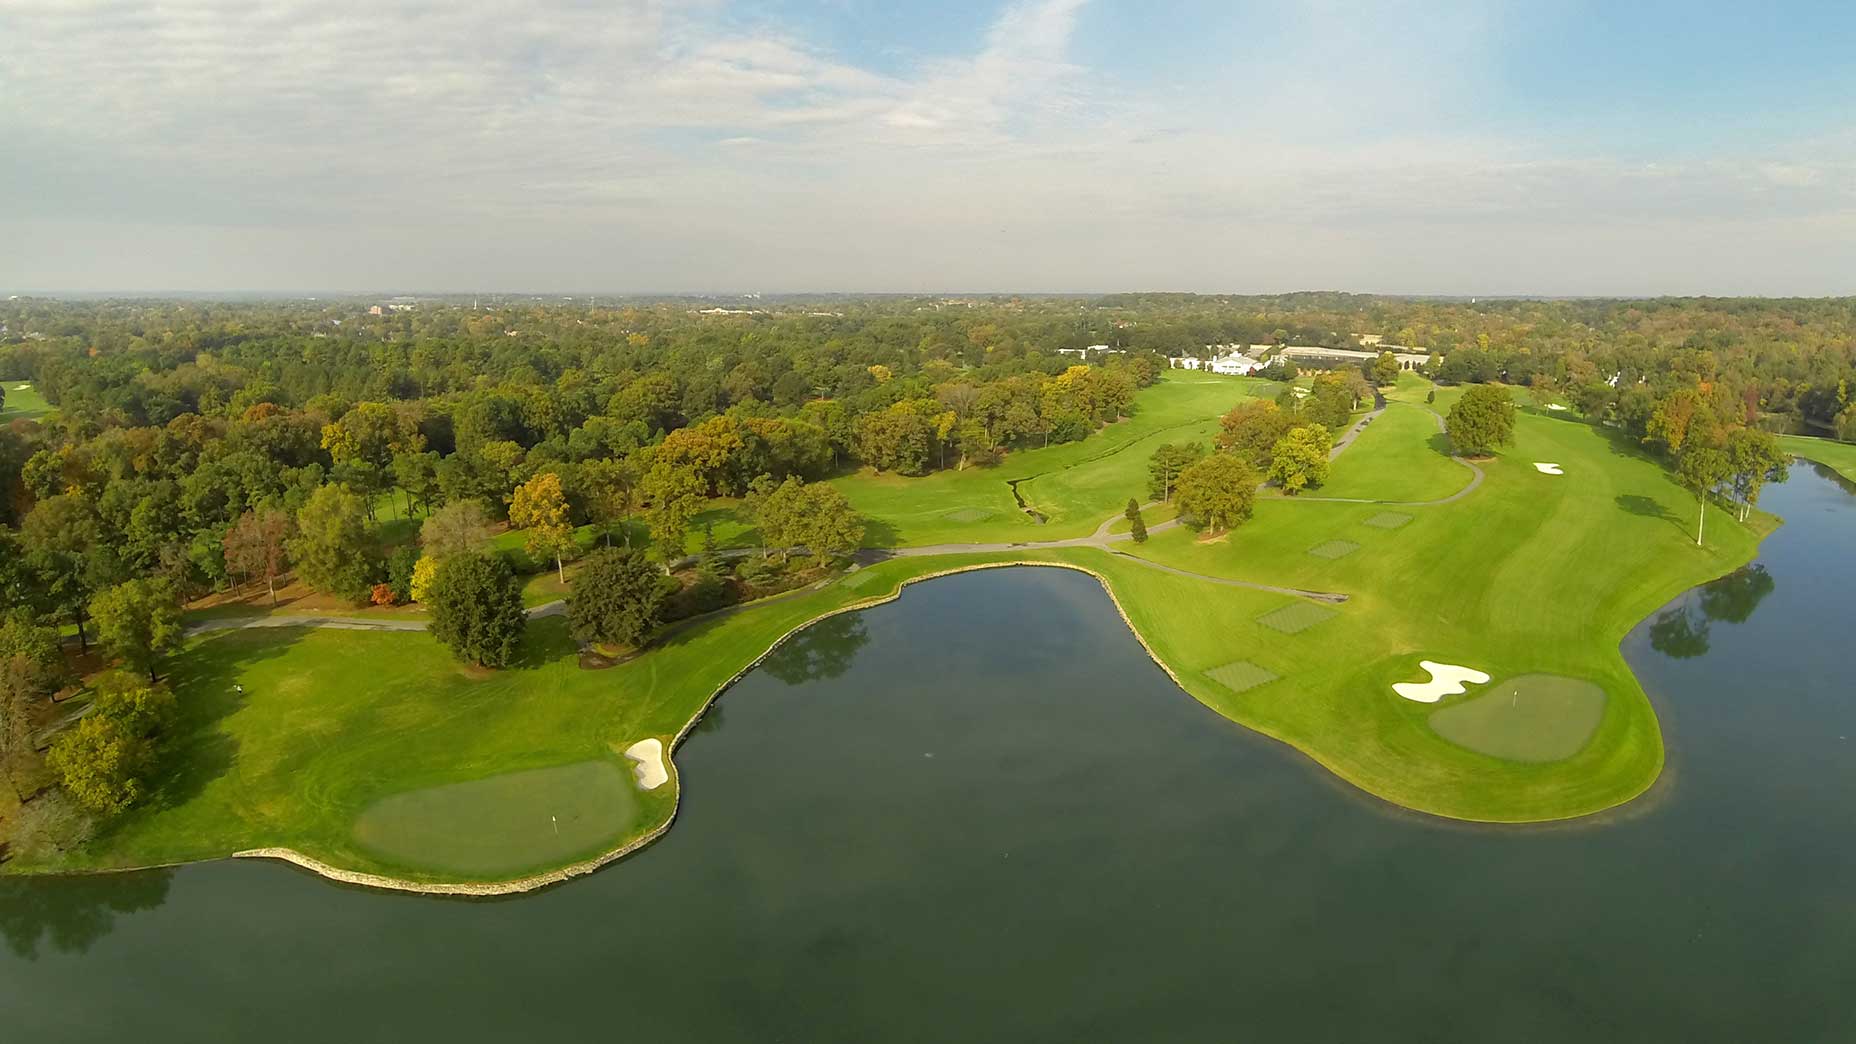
{"x": 376, "y": 757}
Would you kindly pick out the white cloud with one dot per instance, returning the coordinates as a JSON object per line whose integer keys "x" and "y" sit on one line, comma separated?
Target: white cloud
{"x": 652, "y": 144}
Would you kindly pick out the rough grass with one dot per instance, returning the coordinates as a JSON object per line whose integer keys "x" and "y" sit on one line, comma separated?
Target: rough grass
{"x": 1076, "y": 485}
{"x": 1535, "y": 717}
{"x": 1400, "y": 456}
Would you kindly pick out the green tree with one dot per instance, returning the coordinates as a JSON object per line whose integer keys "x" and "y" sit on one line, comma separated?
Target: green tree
{"x": 1385, "y": 369}
{"x": 809, "y": 515}
{"x": 1137, "y": 526}
{"x": 1481, "y": 421}
{"x": 333, "y": 548}
{"x": 617, "y": 599}
{"x": 101, "y": 765}
{"x": 138, "y": 621}
{"x": 1299, "y": 460}
{"x": 1753, "y": 459}
{"x": 676, "y": 494}
{"x": 540, "y": 511}
{"x": 1165, "y": 466}
{"x": 1701, "y": 468}
{"x": 106, "y": 759}
{"x": 35, "y": 652}
{"x": 1218, "y": 492}
{"x": 477, "y": 609}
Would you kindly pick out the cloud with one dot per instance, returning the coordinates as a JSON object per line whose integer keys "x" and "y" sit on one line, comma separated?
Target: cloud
{"x": 655, "y": 144}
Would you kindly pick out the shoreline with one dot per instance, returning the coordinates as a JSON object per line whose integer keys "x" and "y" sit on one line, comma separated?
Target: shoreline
{"x": 534, "y": 882}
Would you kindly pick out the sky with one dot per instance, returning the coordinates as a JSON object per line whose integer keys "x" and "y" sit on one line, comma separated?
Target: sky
{"x": 634, "y": 146}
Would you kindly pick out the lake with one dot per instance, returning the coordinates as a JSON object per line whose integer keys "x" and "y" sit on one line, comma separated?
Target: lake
{"x": 981, "y": 813}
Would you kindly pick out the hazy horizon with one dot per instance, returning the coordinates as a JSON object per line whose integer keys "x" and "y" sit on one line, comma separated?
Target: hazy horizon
{"x": 1483, "y": 148}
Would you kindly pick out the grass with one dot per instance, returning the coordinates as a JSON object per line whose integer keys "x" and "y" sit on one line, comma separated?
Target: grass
{"x": 1839, "y": 457}
{"x": 505, "y": 823}
{"x": 1536, "y": 717}
{"x": 1075, "y": 485}
{"x": 1152, "y": 516}
{"x": 1531, "y": 575}
{"x": 1401, "y": 456}
{"x": 23, "y": 402}
{"x": 1240, "y": 675}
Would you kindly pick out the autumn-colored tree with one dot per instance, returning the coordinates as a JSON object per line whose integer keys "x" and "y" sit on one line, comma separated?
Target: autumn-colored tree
{"x": 540, "y": 511}
{"x": 256, "y": 547}
{"x": 1218, "y": 492}
{"x": 1299, "y": 459}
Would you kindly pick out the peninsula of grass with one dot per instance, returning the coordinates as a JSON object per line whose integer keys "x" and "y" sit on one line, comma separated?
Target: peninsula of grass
{"x": 1839, "y": 457}
{"x": 340, "y": 735}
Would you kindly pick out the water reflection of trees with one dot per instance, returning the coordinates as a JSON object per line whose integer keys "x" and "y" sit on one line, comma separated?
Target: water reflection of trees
{"x": 823, "y": 650}
{"x": 1683, "y": 631}
{"x": 73, "y": 913}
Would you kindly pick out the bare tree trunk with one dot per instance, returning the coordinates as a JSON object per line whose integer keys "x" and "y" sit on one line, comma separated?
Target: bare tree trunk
{"x": 560, "y": 568}
{"x": 271, "y": 581}
{"x": 1701, "y": 518}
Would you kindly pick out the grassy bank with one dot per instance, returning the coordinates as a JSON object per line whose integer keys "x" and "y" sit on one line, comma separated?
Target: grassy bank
{"x": 1839, "y": 457}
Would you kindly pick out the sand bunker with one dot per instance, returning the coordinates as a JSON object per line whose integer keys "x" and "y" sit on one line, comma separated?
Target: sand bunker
{"x": 1547, "y": 469}
{"x": 649, "y": 755}
{"x": 1446, "y": 680}
{"x": 22, "y": 387}
{"x": 1555, "y": 406}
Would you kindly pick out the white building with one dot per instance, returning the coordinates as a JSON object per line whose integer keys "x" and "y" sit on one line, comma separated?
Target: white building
{"x": 1315, "y": 357}
{"x": 1228, "y": 359}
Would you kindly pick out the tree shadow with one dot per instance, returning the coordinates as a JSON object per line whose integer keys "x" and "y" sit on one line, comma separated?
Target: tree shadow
{"x": 72, "y": 913}
{"x": 1650, "y": 507}
{"x": 1440, "y": 443}
{"x": 879, "y": 533}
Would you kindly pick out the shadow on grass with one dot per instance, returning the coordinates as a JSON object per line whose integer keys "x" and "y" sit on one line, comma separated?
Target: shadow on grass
{"x": 1649, "y": 507}
{"x": 878, "y": 533}
{"x": 1440, "y": 443}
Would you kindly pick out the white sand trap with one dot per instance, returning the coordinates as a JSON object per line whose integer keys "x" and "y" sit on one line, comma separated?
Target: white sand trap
{"x": 649, "y": 755}
{"x": 1555, "y": 406}
{"x": 1446, "y": 680}
{"x": 1547, "y": 469}
{"x": 22, "y": 387}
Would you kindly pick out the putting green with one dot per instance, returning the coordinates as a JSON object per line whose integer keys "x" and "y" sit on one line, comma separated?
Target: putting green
{"x": 503, "y": 824}
{"x": 1534, "y": 718}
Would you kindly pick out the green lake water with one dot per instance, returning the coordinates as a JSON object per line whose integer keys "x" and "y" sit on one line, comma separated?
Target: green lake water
{"x": 981, "y": 813}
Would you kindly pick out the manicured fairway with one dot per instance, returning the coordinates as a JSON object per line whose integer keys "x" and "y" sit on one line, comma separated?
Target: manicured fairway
{"x": 504, "y": 824}
{"x": 1077, "y": 486}
{"x": 1400, "y": 456}
{"x": 23, "y": 402}
{"x": 1837, "y": 456}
